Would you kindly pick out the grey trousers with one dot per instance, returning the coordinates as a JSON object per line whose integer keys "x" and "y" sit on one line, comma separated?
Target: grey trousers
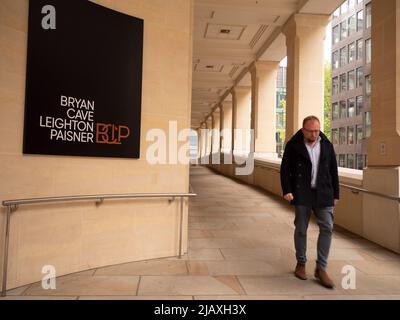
{"x": 325, "y": 222}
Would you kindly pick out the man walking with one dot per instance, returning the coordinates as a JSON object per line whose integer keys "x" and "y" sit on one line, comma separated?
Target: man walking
{"x": 310, "y": 181}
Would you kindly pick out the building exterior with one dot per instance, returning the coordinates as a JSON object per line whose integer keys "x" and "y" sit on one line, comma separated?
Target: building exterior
{"x": 280, "y": 110}
{"x": 351, "y": 82}
{"x": 198, "y": 57}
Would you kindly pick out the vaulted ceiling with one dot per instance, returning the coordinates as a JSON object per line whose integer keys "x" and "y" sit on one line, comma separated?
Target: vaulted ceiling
{"x": 231, "y": 34}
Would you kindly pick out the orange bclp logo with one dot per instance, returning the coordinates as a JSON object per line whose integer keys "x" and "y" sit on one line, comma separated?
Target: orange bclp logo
{"x": 111, "y": 133}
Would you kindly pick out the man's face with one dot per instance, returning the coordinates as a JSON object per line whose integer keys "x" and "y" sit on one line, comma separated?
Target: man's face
{"x": 311, "y": 131}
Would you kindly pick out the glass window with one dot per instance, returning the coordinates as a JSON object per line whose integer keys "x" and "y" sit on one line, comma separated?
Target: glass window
{"x": 350, "y": 135}
{"x": 352, "y": 52}
{"x": 367, "y": 124}
{"x": 343, "y": 30}
{"x": 352, "y": 3}
{"x": 359, "y": 133}
{"x": 343, "y": 56}
{"x": 342, "y": 136}
{"x": 360, "y": 20}
{"x": 342, "y": 160}
{"x": 343, "y": 109}
{"x": 344, "y": 7}
{"x": 335, "y": 60}
{"x": 368, "y": 51}
{"x": 343, "y": 82}
{"x": 359, "y": 105}
{"x": 351, "y": 107}
{"x": 336, "y": 13}
{"x": 352, "y": 24}
{"x": 360, "y": 77}
{"x": 351, "y": 79}
{"x": 335, "y": 85}
{"x": 335, "y": 35}
{"x": 360, "y": 44}
{"x": 368, "y": 21}
{"x": 335, "y": 136}
{"x": 360, "y": 161}
{"x": 368, "y": 85}
{"x": 280, "y": 119}
{"x": 359, "y": 1}
{"x": 350, "y": 161}
{"x": 335, "y": 111}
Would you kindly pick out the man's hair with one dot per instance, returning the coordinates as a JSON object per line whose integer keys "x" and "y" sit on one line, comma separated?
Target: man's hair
{"x": 310, "y": 118}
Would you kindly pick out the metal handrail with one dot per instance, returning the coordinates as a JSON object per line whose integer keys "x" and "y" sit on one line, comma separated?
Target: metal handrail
{"x": 13, "y": 205}
{"x": 356, "y": 189}
{"x": 378, "y": 194}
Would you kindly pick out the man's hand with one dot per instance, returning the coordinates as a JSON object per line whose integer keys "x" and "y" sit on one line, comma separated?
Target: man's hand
{"x": 336, "y": 201}
{"x": 288, "y": 197}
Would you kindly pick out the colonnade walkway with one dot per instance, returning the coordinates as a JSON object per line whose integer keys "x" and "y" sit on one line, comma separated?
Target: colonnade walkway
{"x": 240, "y": 247}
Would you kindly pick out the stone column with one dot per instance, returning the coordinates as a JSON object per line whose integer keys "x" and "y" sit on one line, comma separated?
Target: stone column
{"x": 204, "y": 143}
{"x": 305, "y": 34}
{"x": 227, "y": 125}
{"x": 242, "y": 109}
{"x": 381, "y": 216}
{"x": 215, "y": 153}
{"x": 221, "y": 127}
{"x": 216, "y": 130}
{"x": 209, "y": 137}
{"x": 199, "y": 144}
{"x": 263, "y": 105}
{"x": 234, "y": 120}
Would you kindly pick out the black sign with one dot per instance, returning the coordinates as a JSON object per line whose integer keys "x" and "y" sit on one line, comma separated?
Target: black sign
{"x": 84, "y": 80}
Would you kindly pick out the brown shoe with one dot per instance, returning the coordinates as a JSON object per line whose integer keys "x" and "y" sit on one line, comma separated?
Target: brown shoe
{"x": 300, "y": 271}
{"x": 323, "y": 278}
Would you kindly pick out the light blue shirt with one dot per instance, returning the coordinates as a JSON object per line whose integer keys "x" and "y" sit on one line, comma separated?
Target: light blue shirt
{"x": 314, "y": 153}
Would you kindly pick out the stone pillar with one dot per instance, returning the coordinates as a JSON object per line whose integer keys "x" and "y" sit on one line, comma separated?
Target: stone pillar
{"x": 227, "y": 125}
{"x": 216, "y": 134}
{"x": 204, "y": 143}
{"x": 216, "y": 129}
{"x": 381, "y": 216}
{"x": 221, "y": 127}
{"x": 263, "y": 105}
{"x": 234, "y": 119}
{"x": 199, "y": 145}
{"x": 242, "y": 110}
{"x": 305, "y": 71}
{"x": 209, "y": 137}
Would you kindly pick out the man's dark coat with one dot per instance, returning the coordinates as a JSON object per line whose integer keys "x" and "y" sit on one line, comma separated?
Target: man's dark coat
{"x": 296, "y": 173}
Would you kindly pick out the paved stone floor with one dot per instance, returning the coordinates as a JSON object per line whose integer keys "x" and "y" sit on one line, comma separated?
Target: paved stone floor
{"x": 240, "y": 247}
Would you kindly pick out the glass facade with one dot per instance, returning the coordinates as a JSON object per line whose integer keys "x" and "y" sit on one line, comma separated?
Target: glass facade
{"x": 343, "y": 110}
{"x": 360, "y": 47}
{"x": 351, "y": 107}
{"x": 343, "y": 56}
{"x": 368, "y": 51}
{"x": 280, "y": 110}
{"x": 343, "y": 82}
{"x": 352, "y": 52}
{"x": 360, "y": 77}
{"x": 359, "y": 105}
{"x": 360, "y": 20}
{"x": 368, "y": 20}
{"x": 368, "y": 124}
{"x": 351, "y": 79}
{"x": 350, "y": 161}
{"x": 368, "y": 85}
{"x": 351, "y": 82}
